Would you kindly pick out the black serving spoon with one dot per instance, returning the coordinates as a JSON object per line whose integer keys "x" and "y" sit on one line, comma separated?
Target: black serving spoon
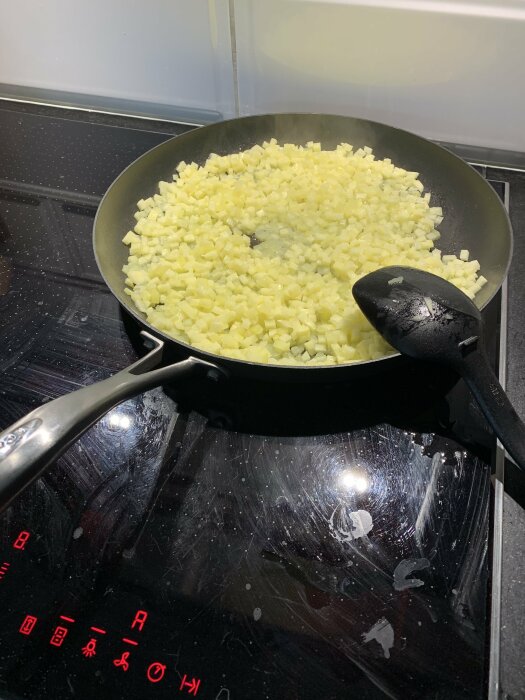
{"x": 427, "y": 318}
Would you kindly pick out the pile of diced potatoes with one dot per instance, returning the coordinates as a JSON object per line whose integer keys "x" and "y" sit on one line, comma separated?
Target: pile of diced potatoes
{"x": 253, "y": 255}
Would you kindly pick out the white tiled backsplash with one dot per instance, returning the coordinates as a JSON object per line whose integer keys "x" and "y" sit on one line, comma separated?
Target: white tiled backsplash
{"x": 160, "y": 53}
{"x": 453, "y": 71}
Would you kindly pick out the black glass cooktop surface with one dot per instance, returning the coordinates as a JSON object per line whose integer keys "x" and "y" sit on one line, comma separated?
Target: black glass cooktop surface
{"x": 287, "y": 543}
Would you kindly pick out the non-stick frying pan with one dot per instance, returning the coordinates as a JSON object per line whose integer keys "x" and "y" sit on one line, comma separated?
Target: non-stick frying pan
{"x": 474, "y": 218}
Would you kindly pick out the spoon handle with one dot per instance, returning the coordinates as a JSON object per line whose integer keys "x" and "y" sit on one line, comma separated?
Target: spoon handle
{"x": 495, "y": 404}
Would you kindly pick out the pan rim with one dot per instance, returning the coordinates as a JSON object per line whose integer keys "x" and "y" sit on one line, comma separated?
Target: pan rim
{"x": 211, "y": 357}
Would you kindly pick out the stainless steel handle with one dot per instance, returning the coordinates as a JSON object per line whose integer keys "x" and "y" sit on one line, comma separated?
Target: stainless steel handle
{"x": 33, "y": 442}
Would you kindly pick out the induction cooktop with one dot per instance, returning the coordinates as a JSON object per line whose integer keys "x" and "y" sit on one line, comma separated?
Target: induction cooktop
{"x": 281, "y": 543}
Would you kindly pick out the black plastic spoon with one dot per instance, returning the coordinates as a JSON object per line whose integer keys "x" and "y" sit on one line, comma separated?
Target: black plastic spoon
{"x": 427, "y": 318}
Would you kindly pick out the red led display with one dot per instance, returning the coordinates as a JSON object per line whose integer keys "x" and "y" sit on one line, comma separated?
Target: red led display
{"x": 156, "y": 672}
{"x": 122, "y": 662}
{"x": 28, "y": 624}
{"x": 192, "y": 686}
{"x": 140, "y": 618}
{"x": 58, "y": 636}
{"x": 21, "y": 540}
{"x": 90, "y": 649}
{"x": 3, "y": 569}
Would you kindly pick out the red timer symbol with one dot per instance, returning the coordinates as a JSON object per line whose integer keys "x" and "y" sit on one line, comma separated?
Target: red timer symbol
{"x": 156, "y": 672}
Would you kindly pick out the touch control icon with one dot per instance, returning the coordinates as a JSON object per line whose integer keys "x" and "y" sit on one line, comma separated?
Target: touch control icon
{"x": 58, "y": 636}
{"x": 90, "y": 649}
{"x": 156, "y": 672}
{"x": 191, "y": 685}
{"x": 3, "y": 569}
{"x": 123, "y": 661}
{"x": 28, "y": 624}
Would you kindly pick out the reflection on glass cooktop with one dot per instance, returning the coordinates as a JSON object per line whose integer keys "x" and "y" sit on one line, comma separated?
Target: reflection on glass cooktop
{"x": 257, "y": 542}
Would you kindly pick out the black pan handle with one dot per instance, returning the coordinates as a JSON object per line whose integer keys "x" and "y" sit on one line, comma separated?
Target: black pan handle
{"x": 36, "y": 440}
{"x": 496, "y": 406}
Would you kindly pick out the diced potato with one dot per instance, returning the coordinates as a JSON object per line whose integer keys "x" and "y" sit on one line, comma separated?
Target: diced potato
{"x": 320, "y": 220}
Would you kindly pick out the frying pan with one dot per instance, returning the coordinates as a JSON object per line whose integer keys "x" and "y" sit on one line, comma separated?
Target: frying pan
{"x": 474, "y": 218}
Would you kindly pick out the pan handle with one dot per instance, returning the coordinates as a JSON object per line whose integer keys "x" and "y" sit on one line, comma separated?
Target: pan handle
{"x": 32, "y": 443}
{"x": 495, "y": 404}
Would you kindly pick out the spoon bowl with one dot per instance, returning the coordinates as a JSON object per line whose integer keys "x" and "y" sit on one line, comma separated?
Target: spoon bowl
{"x": 420, "y": 314}
{"x": 427, "y": 318}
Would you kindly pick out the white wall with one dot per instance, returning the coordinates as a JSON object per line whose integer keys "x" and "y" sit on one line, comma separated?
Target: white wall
{"x": 174, "y": 52}
{"x": 450, "y": 70}
{"x": 453, "y": 71}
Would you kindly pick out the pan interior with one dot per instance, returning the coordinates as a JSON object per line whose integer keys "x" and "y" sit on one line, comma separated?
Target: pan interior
{"x": 474, "y": 217}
